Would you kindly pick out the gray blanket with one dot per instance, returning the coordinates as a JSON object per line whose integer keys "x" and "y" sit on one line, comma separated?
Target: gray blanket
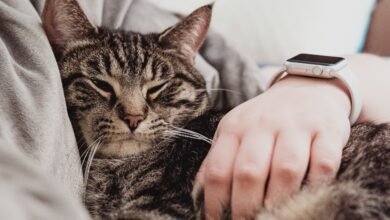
{"x": 40, "y": 173}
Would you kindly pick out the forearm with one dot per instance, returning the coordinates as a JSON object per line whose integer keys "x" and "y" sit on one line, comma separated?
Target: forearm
{"x": 373, "y": 73}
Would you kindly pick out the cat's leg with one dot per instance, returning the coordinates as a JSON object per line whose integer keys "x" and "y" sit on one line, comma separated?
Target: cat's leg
{"x": 340, "y": 201}
{"x": 337, "y": 201}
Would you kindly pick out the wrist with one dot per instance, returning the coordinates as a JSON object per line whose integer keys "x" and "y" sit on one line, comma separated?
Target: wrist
{"x": 325, "y": 68}
{"x": 332, "y": 90}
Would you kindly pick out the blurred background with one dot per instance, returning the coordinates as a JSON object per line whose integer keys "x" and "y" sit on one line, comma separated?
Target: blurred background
{"x": 274, "y": 30}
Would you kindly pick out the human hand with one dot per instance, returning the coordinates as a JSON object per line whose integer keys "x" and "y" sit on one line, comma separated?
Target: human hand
{"x": 264, "y": 147}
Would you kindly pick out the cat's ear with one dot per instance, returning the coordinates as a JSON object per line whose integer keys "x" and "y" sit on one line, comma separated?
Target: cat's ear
{"x": 187, "y": 36}
{"x": 65, "y": 21}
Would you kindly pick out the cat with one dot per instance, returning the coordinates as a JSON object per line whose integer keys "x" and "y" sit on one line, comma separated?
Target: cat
{"x": 137, "y": 103}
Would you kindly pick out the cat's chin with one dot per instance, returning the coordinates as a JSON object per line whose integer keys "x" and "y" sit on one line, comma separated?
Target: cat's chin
{"x": 122, "y": 149}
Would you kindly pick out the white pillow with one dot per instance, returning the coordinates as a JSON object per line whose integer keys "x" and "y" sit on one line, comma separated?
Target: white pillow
{"x": 274, "y": 30}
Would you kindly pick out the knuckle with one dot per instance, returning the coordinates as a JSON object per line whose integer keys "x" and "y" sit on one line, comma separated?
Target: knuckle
{"x": 247, "y": 174}
{"x": 216, "y": 176}
{"x": 326, "y": 167}
{"x": 229, "y": 124}
{"x": 343, "y": 136}
{"x": 266, "y": 120}
{"x": 337, "y": 130}
{"x": 289, "y": 172}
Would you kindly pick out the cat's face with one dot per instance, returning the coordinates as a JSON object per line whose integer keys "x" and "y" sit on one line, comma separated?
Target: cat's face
{"x": 125, "y": 90}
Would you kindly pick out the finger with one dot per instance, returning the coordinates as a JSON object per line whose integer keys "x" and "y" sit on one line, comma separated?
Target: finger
{"x": 250, "y": 173}
{"x": 325, "y": 158}
{"x": 218, "y": 174}
{"x": 199, "y": 180}
{"x": 200, "y": 176}
{"x": 288, "y": 167}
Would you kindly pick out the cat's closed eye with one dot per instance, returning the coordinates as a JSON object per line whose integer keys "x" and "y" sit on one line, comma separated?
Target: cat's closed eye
{"x": 154, "y": 91}
{"x": 104, "y": 86}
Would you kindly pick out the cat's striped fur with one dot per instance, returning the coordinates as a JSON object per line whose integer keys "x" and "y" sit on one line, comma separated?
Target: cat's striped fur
{"x": 114, "y": 80}
{"x": 129, "y": 95}
{"x": 147, "y": 85}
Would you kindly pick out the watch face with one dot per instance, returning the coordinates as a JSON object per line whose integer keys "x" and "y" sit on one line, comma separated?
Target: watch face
{"x": 316, "y": 59}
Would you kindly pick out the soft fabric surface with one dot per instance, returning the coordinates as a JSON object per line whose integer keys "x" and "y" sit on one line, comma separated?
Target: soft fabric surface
{"x": 40, "y": 171}
{"x": 40, "y": 175}
{"x": 274, "y": 30}
{"x": 31, "y": 97}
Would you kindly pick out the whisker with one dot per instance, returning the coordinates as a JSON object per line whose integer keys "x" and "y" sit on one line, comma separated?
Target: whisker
{"x": 89, "y": 162}
{"x": 187, "y": 134}
{"x": 190, "y": 137}
{"x": 88, "y": 150}
{"x": 221, "y": 90}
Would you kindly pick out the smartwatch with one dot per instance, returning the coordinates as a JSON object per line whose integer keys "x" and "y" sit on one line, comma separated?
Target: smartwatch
{"x": 325, "y": 67}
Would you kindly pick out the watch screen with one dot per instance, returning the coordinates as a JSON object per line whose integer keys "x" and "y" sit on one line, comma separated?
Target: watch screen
{"x": 315, "y": 59}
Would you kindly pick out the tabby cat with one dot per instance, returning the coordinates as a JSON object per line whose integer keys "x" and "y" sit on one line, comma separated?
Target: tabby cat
{"x": 138, "y": 103}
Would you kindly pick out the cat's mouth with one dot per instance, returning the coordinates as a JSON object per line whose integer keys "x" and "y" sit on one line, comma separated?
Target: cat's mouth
{"x": 120, "y": 141}
{"x": 125, "y": 144}
{"x": 123, "y": 147}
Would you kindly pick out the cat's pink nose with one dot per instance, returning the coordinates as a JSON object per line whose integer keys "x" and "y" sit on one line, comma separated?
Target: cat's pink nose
{"x": 133, "y": 121}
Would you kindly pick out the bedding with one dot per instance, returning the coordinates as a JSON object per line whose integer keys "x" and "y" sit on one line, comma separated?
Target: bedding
{"x": 272, "y": 31}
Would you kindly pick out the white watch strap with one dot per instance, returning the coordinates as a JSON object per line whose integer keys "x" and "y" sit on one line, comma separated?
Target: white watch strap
{"x": 348, "y": 79}
{"x": 278, "y": 74}
{"x": 352, "y": 84}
